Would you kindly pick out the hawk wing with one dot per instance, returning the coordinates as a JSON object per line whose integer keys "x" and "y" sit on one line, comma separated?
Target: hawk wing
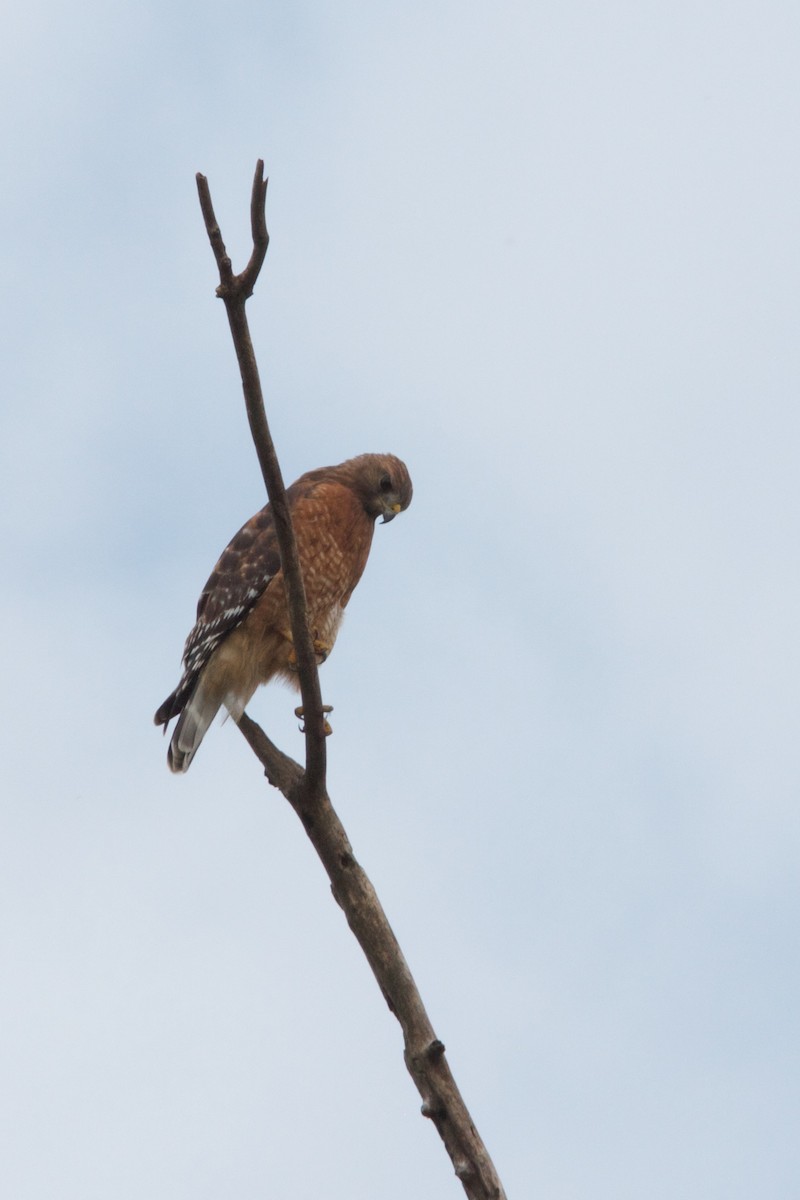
{"x": 244, "y": 570}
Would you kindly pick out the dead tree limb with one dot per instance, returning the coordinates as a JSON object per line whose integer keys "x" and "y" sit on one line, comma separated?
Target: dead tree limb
{"x": 305, "y": 788}
{"x": 235, "y": 290}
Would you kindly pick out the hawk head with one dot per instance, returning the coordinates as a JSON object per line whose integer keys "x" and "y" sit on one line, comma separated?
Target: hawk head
{"x": 382, "y": 482}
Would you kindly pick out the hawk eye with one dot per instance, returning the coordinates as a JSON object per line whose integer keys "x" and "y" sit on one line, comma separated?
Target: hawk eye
{"x": 385, "y": 484}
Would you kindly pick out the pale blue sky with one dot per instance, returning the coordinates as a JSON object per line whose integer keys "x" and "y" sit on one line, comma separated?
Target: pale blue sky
{"x": 548, "y": 254}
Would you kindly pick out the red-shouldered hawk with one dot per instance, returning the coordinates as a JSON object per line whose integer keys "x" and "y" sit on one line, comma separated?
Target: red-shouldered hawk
{"x": 242, "y": 636}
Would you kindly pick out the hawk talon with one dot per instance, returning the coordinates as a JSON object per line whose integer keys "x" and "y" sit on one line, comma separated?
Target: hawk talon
{"x": 326, "y": 728}
{"x": 321, "y": 650}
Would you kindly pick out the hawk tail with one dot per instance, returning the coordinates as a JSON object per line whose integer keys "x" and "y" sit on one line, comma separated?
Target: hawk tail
{"x": 192, "y": 726}
{"x": 195, "y": 715}
{"x": 170, "y": 708}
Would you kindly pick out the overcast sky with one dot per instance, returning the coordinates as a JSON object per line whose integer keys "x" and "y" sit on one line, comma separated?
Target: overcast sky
{"x": 548, "y": 254}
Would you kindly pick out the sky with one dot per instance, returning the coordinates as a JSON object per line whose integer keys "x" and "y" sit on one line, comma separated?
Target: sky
{"x": 548, "y": 254}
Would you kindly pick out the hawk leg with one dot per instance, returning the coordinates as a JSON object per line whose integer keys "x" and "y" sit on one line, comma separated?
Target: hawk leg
{"x": 326, "y": 708}
{"x": 321, "y": 649}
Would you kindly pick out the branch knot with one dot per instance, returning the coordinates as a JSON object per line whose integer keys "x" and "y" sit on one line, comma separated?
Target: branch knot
{"x": 434, "y": 1050}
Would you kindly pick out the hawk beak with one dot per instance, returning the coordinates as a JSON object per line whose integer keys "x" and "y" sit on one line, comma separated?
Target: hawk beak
{"x": 391, "y": 513}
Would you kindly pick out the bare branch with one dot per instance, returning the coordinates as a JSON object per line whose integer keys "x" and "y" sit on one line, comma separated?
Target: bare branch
{"x": 305, "y": 789}
{"x": 282, "y": 771}
{"x": 424, "y": 1054}
{"x": 258, "y": 229}
{"x": 234, "y": 290}
{"x": 214, "y": 233}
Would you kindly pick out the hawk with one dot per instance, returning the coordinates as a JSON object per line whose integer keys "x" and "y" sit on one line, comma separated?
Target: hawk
{"x": 242, "y": 637}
